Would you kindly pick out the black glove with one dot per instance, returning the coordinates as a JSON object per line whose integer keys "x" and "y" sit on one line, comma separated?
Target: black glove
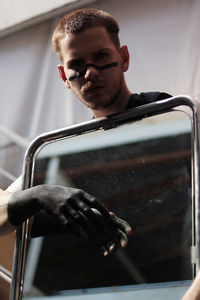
{"x": 69, "y": 205}
{"x": 113, "y": 236}
{"x": 76, "y": 210}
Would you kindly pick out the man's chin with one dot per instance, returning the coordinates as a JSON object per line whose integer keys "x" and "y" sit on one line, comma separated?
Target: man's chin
{"x": 97, "y": 106}
{"x": 96, "y": 102}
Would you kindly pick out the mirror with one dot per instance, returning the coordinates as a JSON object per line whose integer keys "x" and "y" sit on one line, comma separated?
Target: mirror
{"x": 141, "y": 170}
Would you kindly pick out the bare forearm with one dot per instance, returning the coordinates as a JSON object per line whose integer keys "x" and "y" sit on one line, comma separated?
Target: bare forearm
{"x": 193, "y": 293}
{"x": 5, "y": 226}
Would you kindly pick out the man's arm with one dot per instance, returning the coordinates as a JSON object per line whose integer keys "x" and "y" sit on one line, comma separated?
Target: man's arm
{"x": 193, "y": 293}
{"x": 78, "y": 213}
{"x": 5, "y": 226}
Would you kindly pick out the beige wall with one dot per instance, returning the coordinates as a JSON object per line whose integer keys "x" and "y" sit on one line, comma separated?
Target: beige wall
{"x": 18, "y": 14}
{"x": 6, "y": 259}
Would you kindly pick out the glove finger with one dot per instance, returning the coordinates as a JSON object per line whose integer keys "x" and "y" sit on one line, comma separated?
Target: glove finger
{"x": 112, "y": 247}
{"x": 122, "y": 224}
{"x": 105, "y": 250}
{"x": 79, "y": 219}
{"x": 120, "y": 238}
{"x": 63, "y": 219}
{"x": 69, "y": 223}
{"x": 93, "y": 202}
{"x": 76, "y": 230}
{"x": 92, "y": 214}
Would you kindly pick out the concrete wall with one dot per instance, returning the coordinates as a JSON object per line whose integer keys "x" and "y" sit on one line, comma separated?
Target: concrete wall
{"x": 18, "y": 14}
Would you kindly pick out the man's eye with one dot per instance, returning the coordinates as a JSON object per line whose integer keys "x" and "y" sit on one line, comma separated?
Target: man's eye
{"x": 76, "y": 65}
{"x": 101, "y": 55}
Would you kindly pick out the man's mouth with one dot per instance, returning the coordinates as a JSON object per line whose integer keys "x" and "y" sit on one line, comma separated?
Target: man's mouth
{"x": 93, "y": 89}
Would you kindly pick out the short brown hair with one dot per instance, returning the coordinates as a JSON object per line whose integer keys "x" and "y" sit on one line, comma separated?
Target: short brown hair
{"x": 81, "y": 19}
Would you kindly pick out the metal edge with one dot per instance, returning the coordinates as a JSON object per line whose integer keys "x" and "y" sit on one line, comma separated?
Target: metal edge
{"x": 104, "y": 122}
{"x": 132, "y": 114}
{"x": 5, "y": 274}
{"x": 196, "y": 175}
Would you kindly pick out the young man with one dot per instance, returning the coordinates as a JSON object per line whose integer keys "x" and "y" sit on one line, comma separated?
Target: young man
{"x": 74, "y": 210}
{"x": 93, "y": 66}
{"x": 93, "y": 62}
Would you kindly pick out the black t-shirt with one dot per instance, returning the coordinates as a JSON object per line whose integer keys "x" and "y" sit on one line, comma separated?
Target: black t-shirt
{"x": 145, "y": 98}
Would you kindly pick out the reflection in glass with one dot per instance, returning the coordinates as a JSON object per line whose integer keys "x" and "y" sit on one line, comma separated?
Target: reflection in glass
{"x": 142, "y": 172}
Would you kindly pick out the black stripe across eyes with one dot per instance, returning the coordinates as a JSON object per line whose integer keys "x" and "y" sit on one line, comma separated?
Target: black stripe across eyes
{"x": 83, "y": 72}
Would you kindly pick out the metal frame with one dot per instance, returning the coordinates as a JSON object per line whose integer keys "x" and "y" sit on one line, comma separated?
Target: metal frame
{"x": 137, "y": 113}
{"x": 18, "y": 140}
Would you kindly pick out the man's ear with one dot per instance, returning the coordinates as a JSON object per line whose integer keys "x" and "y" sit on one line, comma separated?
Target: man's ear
{"x": 62, "y": 75}
{"x": 124, "y": 53}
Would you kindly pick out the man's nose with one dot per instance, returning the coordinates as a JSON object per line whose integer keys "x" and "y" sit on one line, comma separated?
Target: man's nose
{"x": 91, "y": 72}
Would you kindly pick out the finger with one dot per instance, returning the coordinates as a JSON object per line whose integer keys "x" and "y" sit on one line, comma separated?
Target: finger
{"x": 112, "y": 214}
{"x": 69, "y": 223}
{"x": 112, "y": 246}
{"x": 76, "y": 230}
{"x": 79, "y": 219}
{"x": 124, "y": 243}
{"x": 96, "y": 217}
{"x": 119, "y": 239}
{"x": 123, "y": 225}
{"x": 92, "y": 214}
{"x": 105, "y": 251}
{"x": 123, "y": 238}
{"x": 63, "y": 219}
{"x": 93, "y": 202}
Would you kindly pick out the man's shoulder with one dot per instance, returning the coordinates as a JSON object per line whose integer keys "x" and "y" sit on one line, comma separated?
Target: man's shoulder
{"x": 154, "y": 96}
{"x": 146, "y": 97}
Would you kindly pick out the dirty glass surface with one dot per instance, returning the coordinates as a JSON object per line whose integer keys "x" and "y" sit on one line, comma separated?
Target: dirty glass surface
{"x": 142, "y": 172}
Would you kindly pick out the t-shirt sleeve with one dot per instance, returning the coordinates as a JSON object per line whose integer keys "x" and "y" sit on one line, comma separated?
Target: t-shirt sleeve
{"x": 16, "y": 186}
{"x": 162, "y": 96}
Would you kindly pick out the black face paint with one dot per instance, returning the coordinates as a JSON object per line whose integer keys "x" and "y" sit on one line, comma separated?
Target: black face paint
{"x": 83, "y": 72}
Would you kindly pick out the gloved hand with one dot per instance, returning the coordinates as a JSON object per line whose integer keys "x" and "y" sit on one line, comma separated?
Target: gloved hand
{"x": 114, "y": 234}
{"x": 75, "y": 209}
{"x": 67, "y": 204}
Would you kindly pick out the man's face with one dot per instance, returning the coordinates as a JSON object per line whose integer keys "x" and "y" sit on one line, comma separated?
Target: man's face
{"x": 93, "y": 67}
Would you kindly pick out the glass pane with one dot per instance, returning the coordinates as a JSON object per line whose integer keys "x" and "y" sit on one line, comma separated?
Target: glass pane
{"x": 142, "y": 172}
